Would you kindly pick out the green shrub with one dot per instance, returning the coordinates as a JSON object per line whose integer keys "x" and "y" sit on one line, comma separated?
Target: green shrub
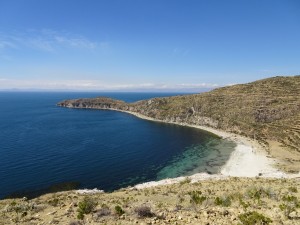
{"x": 293, "y": 189}
{"x": 226, "y": 201}
{"x": 119, "y": 211}
{"x": 290, "y": 205}
{"x": 256, "y": 193}
{"x": 196, "y": 197}
{"x": 290, "y": 198}
{"x": 86, "y": 206}
{"x": 244, "y": 204}
{"x": 252, "y": 218}
{"x": 80, "y": 216}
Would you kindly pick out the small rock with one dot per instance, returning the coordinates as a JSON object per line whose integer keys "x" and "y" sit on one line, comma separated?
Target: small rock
{"x": 225, "y": 213}
{"x": 51, "y": 213}
{"x": 293, "y": 215}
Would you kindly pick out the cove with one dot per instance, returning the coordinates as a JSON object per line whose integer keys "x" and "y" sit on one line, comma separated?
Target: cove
{"x": 44, "y": 145}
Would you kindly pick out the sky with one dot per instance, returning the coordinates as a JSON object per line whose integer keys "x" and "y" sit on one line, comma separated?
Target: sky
{"x": 146, "y": 45}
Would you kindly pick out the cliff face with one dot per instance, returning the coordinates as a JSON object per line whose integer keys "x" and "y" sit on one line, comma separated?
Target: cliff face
{"x": 266, "y": 110}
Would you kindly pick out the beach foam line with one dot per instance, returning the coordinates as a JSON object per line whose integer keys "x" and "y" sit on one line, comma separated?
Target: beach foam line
{"x": 193, "y": 179}
{"x": 89, "y": 191}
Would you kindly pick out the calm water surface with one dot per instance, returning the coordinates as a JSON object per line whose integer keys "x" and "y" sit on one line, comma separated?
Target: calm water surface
{"x": 42, "y": 145}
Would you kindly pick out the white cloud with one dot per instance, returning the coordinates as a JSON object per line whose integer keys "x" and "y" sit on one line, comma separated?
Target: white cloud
{"x": 6, "y": 44}
{"x": 41, "y": 44}
{"x": 75, "y": 42}
{"x": 97, "y": 85}
{"x": 48, "y": 40}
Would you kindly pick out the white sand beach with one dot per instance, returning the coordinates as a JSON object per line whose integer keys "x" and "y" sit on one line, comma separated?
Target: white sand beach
{"x": 249, "y": 159}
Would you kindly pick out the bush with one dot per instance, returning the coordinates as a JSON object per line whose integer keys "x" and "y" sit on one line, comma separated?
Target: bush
{"x": 251, "y": 218}
{"x": 293, "y": 189}
{"x": 196, "y": 197}
{"x": 244, "y": 204}
{"x": 290, "y": 205}
{"x": 144, "y": 211}
{"x": 85, "y": 207}
{"x": 290, "y": 198}
{"x": 119, "y": 211}
{"x": 223, "y": 201}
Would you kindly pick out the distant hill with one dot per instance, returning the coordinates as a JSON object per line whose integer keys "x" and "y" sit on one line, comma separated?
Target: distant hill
{"x": 266, "y": 110}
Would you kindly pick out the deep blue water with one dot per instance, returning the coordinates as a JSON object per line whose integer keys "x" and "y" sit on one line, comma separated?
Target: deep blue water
{"x": 42, "y": 144}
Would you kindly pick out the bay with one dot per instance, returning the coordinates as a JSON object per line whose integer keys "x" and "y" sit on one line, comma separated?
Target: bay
{"x": 43, "y": 145}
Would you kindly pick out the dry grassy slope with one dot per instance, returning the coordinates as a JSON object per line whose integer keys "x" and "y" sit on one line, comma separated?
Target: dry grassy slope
{"x": 265, "y": 109}
{"x": 226, "y": 201}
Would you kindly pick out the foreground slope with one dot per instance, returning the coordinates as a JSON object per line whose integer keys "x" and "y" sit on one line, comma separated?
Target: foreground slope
{"x": 265, "y": 110}
{"x": 230, "y": 201}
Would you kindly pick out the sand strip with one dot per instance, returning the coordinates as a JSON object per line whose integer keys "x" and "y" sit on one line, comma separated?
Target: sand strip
{"x": 249, "y": 159}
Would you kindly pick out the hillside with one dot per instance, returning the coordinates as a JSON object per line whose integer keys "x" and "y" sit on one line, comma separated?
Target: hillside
{"x": 266, "y": 110}
{"x": 230, "y": 201}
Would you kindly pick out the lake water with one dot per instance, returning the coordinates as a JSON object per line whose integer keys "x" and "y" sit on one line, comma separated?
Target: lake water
{"x": 42, "y": 144}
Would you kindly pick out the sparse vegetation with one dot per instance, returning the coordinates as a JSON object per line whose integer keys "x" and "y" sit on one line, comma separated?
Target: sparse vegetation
{"x": 143, "y": 211}
{"x": 85, "y": 207}
{"x": 210, "y": 201}
{"x": 293, "y": 189}
{"x": 244, "y": 204}
{"x": 291, "y": 203}
{"x": 223, "y": 201}
{"x": 196, "y": 197}
{"x": 119, "y": 211}
{"x": 252, "y": 218}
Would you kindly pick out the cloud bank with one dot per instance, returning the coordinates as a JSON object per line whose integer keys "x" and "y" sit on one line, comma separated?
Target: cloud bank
{"x": 47, "y": 40}
{"x": 96, "y": 85}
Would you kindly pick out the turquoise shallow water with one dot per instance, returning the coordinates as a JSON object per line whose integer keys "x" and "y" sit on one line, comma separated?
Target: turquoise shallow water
{"x": 43, "y": 145}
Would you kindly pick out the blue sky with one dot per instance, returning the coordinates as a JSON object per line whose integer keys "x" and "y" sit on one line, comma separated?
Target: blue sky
{"x": 146, "y": 44}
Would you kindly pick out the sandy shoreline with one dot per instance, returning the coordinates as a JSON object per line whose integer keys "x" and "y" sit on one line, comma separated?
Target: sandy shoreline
{"x": 249, "y": 159}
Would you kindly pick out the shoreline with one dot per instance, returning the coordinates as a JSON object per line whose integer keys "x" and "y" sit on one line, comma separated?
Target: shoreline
{"x": 249, "y": 159}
